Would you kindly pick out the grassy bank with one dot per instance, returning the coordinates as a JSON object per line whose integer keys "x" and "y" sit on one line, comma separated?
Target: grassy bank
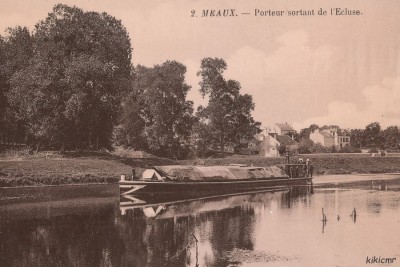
{"x": 72, "y": 168}
{"x": 53, "y": 169}
{"x": 323, "y": 163}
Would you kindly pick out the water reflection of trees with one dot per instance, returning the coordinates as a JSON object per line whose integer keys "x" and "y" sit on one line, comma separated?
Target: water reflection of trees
{"x": 101, "y": 237}
{"x": 155, "y": 242}
{"x": 296, "y": 194}
{"x": 232, "y": 228}
{"x": 166, "y": 240}
{"x": 78, "y": 239}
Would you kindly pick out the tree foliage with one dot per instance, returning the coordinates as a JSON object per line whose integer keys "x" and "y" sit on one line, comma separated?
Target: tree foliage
{"x": 228, "y": 116}
{"x": 357, "y": 138}
{"x": 157, "y": 115}
{"x": 305, "y": 146}
{"x": 372, "y": 135}
{"x": 16, "y": 50}
{"x": 374, "y": 138}
{"x": 305, "y": 133}
{"x": 70, "y": 90}
{"x": 391, "y": 137}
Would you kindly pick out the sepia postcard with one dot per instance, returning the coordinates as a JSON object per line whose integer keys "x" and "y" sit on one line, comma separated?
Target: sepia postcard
{"x": 199, "y": 133}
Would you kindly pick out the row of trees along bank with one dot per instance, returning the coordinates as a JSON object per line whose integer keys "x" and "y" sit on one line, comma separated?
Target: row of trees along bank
{"x": 70, "y": 84}
{"x": 373, "y": 137}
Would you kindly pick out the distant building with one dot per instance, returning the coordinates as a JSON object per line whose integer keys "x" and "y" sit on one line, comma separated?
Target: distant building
{"x": 268, "y": 142}
{"x": 288, "y": 143}
{"x": 268, "y": 147}
{"x": 343, "y": 141}
{"x": 330, "y": 137}
{"x": 285, "y": 129}
{"x": 322, "y": 138}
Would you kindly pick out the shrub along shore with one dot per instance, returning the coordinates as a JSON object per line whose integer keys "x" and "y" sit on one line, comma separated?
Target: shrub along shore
{"x": 53, "y": 169}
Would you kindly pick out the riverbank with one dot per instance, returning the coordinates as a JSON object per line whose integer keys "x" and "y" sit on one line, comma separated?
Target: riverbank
{"x": 354, "y": 178}
{"x": 93, "y": 168}
{"x": 48, "y": 168}
{"x": 323, "y": 163}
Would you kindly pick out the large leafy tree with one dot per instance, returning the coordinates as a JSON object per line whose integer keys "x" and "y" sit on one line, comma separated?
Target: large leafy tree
{"x": 157, "y": 115}
{"x": 69, "y": 93}
{"x": 391, "y": 136}
{"x": 228, "y": 114}
{"x": 3, "y": 88}
{"x": 357, "y": 139}
{"x": 16, "y": 50}
{"x": 372, "y": 135}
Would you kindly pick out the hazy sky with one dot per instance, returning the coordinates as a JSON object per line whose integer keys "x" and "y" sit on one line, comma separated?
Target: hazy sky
{"x": 342, "y": 70}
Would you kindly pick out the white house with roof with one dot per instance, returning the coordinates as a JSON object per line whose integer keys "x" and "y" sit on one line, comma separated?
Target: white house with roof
{"x": 289, "y": 143}
{"x": 268, "y": 142}
{"x": 330, "y": 138}
{"x": 268, "y": 147}
{"x": 322, "y": 138}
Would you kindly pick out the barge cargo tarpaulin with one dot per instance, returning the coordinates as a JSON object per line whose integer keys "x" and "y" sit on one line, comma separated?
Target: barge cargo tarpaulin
{"x": 208, "y": 179}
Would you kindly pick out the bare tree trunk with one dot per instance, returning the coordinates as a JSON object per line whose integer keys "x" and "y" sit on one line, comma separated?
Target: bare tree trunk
{"x": 222, "y": 147}
{"x": 38, "y": 147}
{"x": 62, "y": 148}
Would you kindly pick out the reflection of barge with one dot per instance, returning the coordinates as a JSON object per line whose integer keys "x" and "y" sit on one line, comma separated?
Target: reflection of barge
{"x": 188, "y": 204}
{"x": 176, "y": 179}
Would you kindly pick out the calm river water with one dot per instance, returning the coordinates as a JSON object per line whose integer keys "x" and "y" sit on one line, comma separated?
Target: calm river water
{"x": 281, "y": 228}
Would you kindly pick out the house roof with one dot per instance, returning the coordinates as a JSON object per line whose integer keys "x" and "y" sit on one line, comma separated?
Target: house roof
{"x": 325, "y": 134}
{"x": 259, "y": 137}
{"x": 285, "y": 140}
{"x": 285, "y": 127}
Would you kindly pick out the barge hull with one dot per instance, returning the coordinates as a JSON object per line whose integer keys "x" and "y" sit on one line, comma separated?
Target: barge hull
{"x": 167, "y": 187}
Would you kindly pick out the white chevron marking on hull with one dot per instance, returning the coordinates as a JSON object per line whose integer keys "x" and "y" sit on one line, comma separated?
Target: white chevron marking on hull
{"x": 133, "y": 188}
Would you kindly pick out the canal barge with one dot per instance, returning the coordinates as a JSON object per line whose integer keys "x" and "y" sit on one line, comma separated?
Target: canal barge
{"x": 178, "y": 179}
